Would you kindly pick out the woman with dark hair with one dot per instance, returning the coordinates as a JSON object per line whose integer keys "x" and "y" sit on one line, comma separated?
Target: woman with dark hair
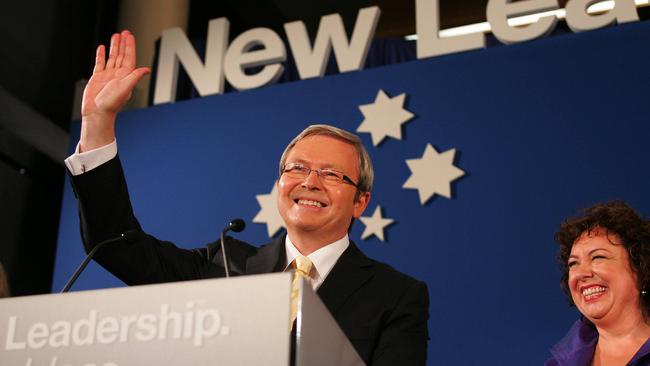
{"x": 605, "y": 261}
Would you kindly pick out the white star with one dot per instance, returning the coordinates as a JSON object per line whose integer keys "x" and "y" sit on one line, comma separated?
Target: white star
{"x": 384, "y": 117}
{"x": 269, "y": 213}
{"x": 433, "y": 173}
{"x": 375, "y": 224}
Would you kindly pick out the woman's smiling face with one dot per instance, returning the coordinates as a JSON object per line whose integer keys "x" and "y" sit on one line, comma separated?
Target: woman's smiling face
{"x": 602, "y": 282}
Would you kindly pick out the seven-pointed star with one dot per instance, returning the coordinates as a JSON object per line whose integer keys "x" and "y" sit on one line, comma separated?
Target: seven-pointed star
{"x": 269, "y": 213}
{"x": 375, "y": 224}
{"x": 384, "y": 117}
{"x": 433, "y": 173}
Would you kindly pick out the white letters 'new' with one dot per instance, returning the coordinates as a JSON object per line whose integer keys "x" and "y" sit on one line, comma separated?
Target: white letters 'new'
{"x": 231, "y": 61}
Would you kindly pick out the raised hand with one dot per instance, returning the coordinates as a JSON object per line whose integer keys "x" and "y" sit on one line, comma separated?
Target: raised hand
{"x": 108, "y": 89}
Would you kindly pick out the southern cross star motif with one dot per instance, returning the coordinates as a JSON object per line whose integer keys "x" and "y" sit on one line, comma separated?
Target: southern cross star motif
{"x": 433, "y": 173}
{"x": 375, "y": 224}
{"x": 384, "y": 117}
{"x": 269, "y": 213}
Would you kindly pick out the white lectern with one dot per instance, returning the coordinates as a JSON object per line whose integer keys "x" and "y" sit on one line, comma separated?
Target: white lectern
{"x": 236, "y": 321}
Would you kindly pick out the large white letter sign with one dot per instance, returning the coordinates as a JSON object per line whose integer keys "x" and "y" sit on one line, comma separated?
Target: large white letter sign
{"x": 579, "y": 20}
{"x": 429, "y": 43}
{"x": 498, "y": 12}
{"x": 331, "y": 34}
{"x": 239, "y": 56}
{"x": 175, "y": 47}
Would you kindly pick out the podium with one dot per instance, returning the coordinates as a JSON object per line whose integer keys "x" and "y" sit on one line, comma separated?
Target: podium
{"x": 237, "y": 321}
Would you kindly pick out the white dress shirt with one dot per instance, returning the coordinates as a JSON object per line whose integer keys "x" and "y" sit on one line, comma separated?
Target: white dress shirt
{"x": 323, "y": 259}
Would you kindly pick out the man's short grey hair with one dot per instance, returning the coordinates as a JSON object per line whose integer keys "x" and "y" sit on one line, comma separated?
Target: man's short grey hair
{"x": 366, "y": 172}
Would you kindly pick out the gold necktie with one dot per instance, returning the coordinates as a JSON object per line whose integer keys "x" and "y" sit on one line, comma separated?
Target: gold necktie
{"x": 303, "y": 266}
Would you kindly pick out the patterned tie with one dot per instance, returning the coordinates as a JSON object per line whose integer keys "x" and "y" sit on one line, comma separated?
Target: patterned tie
{"x": 303, "y": 266}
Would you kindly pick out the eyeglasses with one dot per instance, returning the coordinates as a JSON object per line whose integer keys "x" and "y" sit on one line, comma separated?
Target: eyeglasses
{"x": 327, "y": 176}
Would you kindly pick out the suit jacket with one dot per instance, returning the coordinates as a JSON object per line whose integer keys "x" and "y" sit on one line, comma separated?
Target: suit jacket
{"x": 383, "y": 312}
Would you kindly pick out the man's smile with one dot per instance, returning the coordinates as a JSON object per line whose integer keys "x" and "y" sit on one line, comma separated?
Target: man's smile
{"x": 307, "y": 202}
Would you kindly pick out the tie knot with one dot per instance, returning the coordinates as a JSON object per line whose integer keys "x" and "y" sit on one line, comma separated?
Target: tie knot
{"x": 303, "y": 265}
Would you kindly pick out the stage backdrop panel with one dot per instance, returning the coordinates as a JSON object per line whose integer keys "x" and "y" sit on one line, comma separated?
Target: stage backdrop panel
{"x": 539, "y": 129}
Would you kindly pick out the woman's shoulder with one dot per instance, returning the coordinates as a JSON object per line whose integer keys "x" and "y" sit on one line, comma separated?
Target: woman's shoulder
{"x": 577, "y": 346}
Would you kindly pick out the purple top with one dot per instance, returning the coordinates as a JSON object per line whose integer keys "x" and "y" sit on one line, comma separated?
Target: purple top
{"x": 578, "y": 346}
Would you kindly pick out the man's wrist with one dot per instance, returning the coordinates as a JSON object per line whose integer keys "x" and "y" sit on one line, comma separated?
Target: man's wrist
{"x": 96, "y": 131}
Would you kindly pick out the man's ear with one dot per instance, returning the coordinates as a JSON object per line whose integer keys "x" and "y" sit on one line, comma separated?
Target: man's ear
{"x": 361, "y": 204}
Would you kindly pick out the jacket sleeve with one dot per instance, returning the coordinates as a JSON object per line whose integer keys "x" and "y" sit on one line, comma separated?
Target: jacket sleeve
{"x": 105, "y": 213}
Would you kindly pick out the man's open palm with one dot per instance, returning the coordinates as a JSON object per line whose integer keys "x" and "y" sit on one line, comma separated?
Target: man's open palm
{"x": 112, "y": 81}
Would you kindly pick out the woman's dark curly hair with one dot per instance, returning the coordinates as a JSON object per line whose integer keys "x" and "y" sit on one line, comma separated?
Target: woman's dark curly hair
{"x": 618, "y": 218}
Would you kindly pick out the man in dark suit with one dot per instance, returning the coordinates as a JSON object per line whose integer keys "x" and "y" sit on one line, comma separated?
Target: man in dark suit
{"x": 325, "y": 182}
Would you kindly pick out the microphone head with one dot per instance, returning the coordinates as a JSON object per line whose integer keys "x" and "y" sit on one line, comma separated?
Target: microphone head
{"x": 236, "y": 225}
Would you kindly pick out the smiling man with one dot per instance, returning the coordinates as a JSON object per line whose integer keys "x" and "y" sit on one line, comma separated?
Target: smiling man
{"x": 317, "y": 208}
{"x": 325, "y": 182}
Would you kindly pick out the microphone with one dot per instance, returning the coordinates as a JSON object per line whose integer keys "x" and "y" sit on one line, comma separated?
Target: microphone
{"x": 90, "y": 256}
{"x": 236, "y": 225}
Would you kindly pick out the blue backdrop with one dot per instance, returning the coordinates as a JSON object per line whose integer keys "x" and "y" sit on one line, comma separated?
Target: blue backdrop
{"x": 540, "y": 128}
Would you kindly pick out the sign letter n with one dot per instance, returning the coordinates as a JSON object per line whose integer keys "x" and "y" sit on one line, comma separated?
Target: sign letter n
{"x": 175, "y": 48}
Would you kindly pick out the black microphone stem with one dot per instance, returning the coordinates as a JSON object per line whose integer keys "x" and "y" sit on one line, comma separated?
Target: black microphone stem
{"x": 85, "y": 262}
{"x": 235, "y": 225}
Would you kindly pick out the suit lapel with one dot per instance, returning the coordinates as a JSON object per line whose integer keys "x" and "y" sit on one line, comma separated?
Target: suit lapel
{"x": 269, "y": 258}
{"x": 350, "y": 272}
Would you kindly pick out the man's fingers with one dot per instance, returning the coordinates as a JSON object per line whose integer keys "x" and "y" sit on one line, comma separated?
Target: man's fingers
{"x": 135, "y": 76}
{"x": 129, "y": 52}
{"x": 112, "y": 54}
{"x": 120, "y": 51}
{"x": 100, "y": 59}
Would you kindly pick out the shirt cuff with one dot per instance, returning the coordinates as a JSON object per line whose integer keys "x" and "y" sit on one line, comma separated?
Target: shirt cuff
{"x": 81, "y": 162}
